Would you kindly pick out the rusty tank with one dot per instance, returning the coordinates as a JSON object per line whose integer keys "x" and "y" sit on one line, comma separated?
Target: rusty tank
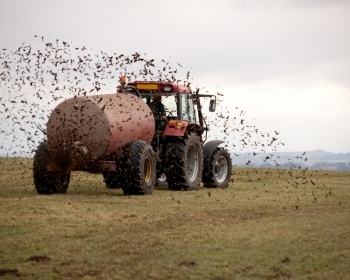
{"x": 87, "y": 129}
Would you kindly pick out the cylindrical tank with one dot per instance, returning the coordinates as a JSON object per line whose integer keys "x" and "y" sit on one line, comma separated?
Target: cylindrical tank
{"x": 103, "y": 123}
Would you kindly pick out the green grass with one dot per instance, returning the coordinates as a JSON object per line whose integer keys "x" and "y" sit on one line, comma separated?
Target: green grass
{"x": 268, "y": 224}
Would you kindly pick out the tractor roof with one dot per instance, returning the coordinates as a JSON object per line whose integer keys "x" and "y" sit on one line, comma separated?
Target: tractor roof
{"x": 159, "y": 86}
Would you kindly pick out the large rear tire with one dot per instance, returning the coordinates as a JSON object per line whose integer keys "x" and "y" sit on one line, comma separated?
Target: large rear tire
{"x": 140, "y": 169}
{"x": 47, "y": 182}
{"x": 220, "y": 170}
{"x": 184, "y": 163}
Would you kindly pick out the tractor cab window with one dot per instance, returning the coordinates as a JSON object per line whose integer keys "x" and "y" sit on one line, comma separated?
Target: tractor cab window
{"x": 170, "y": 105}
{"x": 169, "y": 102}
{"x": 187, "y": 108}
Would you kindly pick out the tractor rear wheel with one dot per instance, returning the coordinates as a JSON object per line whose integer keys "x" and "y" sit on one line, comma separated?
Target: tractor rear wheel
{"x": 184, "y": 163}
{"x": 47, "y": 182}
{"x": 220, "y": 170}
{"x": 140, "y": 169}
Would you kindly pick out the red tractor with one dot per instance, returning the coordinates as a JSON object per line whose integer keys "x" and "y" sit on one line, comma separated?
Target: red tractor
{"x": 144, "y": 131}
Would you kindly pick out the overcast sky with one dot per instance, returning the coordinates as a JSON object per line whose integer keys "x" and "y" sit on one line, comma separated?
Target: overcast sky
{"x": 286, "y": 63}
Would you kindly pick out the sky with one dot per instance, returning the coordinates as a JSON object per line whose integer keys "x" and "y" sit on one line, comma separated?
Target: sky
{"x": 286, "y": 63}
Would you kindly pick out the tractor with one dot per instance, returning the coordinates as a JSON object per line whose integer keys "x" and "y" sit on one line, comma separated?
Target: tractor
{"x": 125, "y": 138}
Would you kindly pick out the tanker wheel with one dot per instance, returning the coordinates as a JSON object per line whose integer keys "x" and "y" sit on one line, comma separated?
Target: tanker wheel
{"x": 140, "y": 169}
{"x": 220, "y": 170}
{"x": 112, "y": 179}
{"x": 61, "y": 181}
{"x": 184, "y": 163}
{"x": 47, "y": 182}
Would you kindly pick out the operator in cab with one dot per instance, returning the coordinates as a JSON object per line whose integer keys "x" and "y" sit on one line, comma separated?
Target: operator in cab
{"x": 158, "y": 111}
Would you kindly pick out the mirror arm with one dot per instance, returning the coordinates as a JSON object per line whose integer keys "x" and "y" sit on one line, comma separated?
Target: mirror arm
{"x": 199, "y": 109}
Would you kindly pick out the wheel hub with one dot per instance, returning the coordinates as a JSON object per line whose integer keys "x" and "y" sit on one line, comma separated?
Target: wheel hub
{"x": 221, "y": 169}
{"x": 192, "y": 162}
{"x": 148, "y": 170}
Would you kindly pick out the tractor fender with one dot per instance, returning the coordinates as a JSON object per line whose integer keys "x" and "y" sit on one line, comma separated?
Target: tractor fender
{"x": 208, "y": 150}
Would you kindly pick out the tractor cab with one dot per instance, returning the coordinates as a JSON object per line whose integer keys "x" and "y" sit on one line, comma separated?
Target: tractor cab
{"x": 175, "y": 107}
{"x": 175, "y": 98}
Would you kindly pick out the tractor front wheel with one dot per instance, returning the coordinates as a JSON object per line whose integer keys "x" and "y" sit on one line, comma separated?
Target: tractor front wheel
{"x": 220, "y": 170}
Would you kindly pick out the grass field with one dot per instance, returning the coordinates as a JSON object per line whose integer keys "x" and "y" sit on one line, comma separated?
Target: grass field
{"x": 268, "y": 224}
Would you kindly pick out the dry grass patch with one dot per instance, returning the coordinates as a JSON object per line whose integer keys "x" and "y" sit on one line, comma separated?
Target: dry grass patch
{"x": 268, "y": 224}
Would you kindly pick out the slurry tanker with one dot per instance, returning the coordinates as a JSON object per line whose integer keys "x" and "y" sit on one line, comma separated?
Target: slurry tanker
{"x": 120, "y": 136}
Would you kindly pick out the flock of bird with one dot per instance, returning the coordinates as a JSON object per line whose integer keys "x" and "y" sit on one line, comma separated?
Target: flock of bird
{"x": 33, "y": 81}
{"x": 36, "y": 77}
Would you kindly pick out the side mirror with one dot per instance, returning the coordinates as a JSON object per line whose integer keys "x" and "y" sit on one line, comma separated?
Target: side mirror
{"x": 212, "y": 105}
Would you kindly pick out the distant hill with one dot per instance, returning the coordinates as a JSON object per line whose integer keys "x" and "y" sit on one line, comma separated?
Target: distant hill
{"x": 315, "y": 159}
{"x": 319, "y": 153}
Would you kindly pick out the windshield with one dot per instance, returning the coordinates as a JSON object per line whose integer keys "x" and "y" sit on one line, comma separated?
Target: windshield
{"x": 169, "y": 102}
{"x": 170, "y": 105}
